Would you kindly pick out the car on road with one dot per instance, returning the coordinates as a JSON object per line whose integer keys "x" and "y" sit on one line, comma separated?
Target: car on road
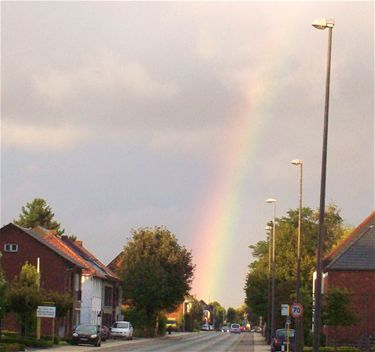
{"x": 279, "y": 342}
{"x": 225, "y": 328}
{"x": 207, "y": 327}
{"x": 235, "y": 329}
{"x": 171, "y": 324}
{"x": 122, "y": 329}
{"x": 87, "y": 334}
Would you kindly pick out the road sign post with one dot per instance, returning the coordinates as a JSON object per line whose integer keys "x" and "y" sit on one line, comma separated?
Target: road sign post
{"x": 297, "y": 310}
{"x": 284, "y": 310}
{"x": 47, "y": 312}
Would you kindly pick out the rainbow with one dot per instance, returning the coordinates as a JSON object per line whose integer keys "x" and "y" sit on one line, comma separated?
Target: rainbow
{"x": 219, "y": 223}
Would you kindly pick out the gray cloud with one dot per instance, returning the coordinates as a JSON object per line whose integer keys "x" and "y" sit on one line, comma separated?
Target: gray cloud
{"x": 125, "y": 114}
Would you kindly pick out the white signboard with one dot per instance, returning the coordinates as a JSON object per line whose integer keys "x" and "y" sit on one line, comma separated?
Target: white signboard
{"x": 46, "y": 312}
{"x": 285, "y": 309}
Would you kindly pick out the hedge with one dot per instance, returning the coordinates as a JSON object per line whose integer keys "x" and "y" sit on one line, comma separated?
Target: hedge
{"x": 28, "y": 341}
{"x": 333, "y": 349}
{"x": 11, "y": 347}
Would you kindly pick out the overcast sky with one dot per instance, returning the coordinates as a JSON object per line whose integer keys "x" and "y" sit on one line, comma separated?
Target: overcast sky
{"x": 130, "y": 114}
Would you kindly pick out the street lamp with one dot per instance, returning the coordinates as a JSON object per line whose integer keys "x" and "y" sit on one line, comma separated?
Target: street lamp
{"x": 322, "y": 24}
{"x": 273, "y": 201}
{"x": 268, "y": 229}
{"x": 299, "y": 321}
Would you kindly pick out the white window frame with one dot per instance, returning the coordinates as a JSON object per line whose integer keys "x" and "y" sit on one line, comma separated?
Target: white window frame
{"x": 11, "y": 247}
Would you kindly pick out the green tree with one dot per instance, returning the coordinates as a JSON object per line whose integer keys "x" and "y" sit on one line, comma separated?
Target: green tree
{"x": 23, "y": 297}
{"x": 219, "y": 313}
{"x": 193, "y": 319}
{"x": 62, "y": 301}
{"x": 256, "y": 285}
{"x": 231, "y": 315}
{"x": 337, "y": 310}
{"x": 243, "y": 312}
{"x": 157, "y": 273}
{"x": 38, "y": 213}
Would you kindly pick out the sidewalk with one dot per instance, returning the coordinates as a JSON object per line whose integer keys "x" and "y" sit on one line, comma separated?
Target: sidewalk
{"x": 260, "y": 344}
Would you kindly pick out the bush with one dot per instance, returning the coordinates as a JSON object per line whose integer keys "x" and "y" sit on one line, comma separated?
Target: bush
{"x": 332, "y": 349}
{"x": 162, "y": 325}
{"x": 31, "y": 342}
{"x": 9, "y": 333}
{"x": 197, "y": 325}
{"x": 339, "y": 349}
{"x": 308, "y": 339}
{"x": 11, "y": 347}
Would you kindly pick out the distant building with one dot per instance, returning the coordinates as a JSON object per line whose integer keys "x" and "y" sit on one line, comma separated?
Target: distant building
{"x": 351, "y": 265}
{"x": 179, "y": 314}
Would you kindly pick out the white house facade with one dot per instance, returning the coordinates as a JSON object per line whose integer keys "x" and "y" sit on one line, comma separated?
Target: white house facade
{"x": 101, "y": 288}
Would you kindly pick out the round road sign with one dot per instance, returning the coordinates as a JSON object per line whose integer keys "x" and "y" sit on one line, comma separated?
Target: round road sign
{"x": 296, "y": 310}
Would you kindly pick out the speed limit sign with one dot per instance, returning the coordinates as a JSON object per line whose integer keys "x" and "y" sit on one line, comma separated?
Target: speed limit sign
{"x": 297, "y": 310}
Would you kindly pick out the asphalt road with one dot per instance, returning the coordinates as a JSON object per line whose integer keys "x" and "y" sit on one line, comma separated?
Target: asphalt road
{"x": 182, "y": 342}
{"x": 203, "y": 341}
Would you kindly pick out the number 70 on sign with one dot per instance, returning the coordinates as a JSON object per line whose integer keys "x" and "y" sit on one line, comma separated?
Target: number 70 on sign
{"x": 296, "y": 310}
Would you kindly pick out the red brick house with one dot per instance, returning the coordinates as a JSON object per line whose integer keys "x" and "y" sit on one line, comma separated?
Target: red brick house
{"x": 351, "y": 265}
{"x": 60, "y": 270}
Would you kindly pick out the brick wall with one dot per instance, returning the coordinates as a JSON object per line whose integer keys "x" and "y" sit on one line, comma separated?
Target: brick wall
{"x": 56, "y": 273}
{"x": 361, "y": 285}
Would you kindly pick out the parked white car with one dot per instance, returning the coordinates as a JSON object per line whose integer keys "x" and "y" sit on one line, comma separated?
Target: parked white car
{"x": 122, "y": 329}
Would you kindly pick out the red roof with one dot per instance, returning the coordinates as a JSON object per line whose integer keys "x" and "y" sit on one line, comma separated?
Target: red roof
{"x": 116, "y": 262}
{"x": 97, "y": 267}
{"x": 74, "y": 249}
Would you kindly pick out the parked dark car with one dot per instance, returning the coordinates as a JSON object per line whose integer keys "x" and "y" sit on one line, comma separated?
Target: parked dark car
{"x": 104, "y": 331}
{"x": 279, "y": 342}
{"x": 87, "y": 334}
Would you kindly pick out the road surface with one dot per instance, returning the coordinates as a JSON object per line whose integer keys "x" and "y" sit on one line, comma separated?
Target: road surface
{"x": 180, "y": 342}
{"x": 203, "y": 341}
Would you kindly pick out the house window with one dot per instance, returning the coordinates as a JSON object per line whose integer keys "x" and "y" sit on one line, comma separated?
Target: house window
{"x": 10, "y": 247}
{"x": 76, "y": 282}
{"x": 108, "y": 296}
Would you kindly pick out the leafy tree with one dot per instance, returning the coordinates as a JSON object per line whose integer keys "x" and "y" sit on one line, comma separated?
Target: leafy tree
{"x": 231, "y": 315}
{"x": 23, "y": 297}
{"x": 193, "y": 318}
{"x": 337, "y": 311}
{"x": 62, "y": 301}
{"x": 243, "y": 312}
{"x": 38, "y": 213}
{"x": 256, "y": 286}
{"x": 157, "y": 273}
{"x": 219, "y": 313}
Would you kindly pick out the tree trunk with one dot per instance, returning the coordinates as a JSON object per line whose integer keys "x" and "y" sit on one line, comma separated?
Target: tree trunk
{"x": 334, "y": 338}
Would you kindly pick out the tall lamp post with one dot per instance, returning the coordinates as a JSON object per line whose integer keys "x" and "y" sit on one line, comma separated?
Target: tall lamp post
{"x": 322, "y": 24}
{"x": 299, "y": 321}
{"x": 268, "y": 332}
{"x": 273, "y": 201}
